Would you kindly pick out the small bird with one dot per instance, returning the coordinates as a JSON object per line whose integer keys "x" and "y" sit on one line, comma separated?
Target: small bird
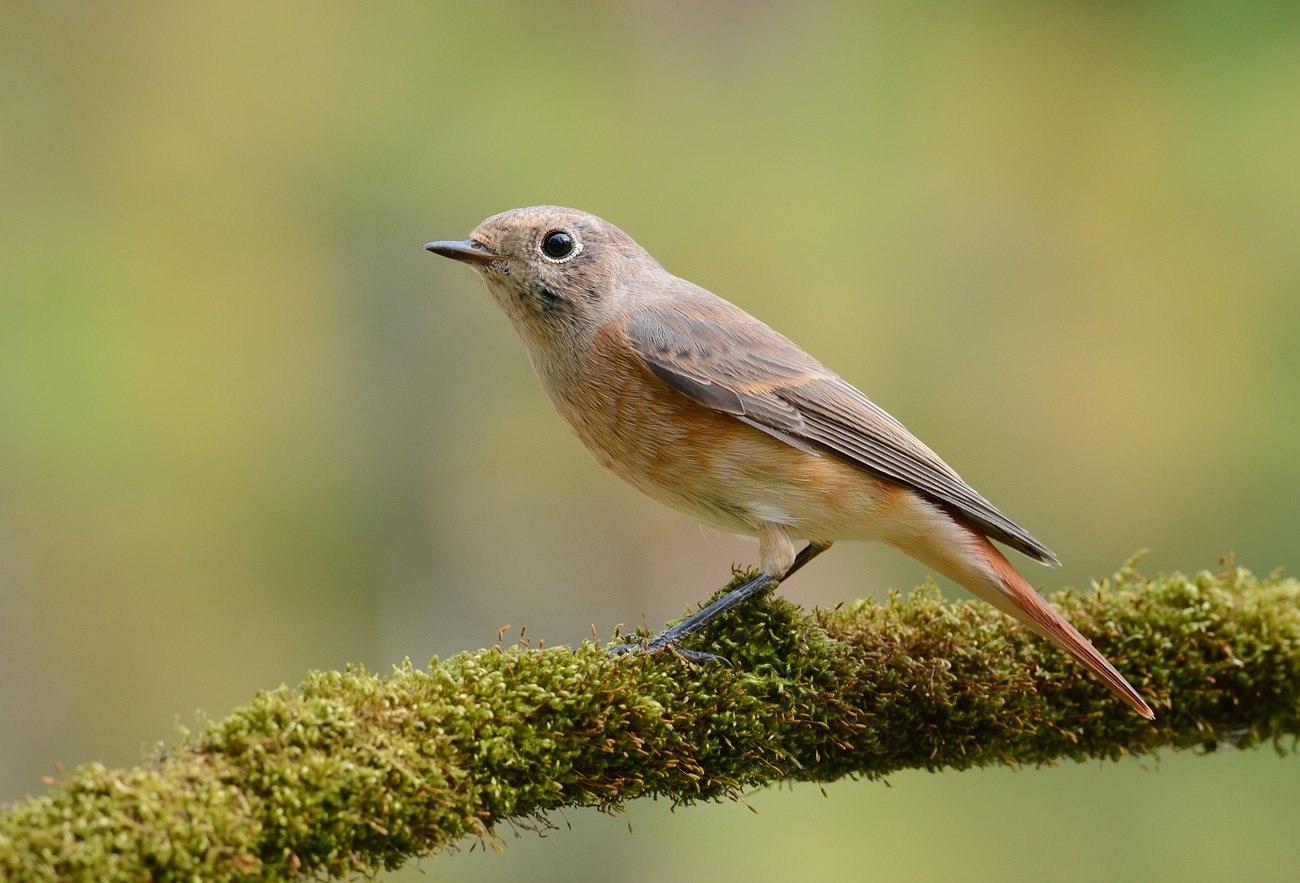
{"x": 706, "y": 409}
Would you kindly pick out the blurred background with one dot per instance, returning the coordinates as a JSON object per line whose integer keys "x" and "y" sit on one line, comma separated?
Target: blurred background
{"x": 248, "y": 428}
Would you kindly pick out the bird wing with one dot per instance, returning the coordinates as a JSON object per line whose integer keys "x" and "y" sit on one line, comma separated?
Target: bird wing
{"x": 724, "y": 358}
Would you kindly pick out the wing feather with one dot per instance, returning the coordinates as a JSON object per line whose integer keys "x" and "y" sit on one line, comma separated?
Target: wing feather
{"x": 725, "y": 359}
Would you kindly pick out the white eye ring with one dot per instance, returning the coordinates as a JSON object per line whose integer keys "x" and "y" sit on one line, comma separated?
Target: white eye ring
{"x": 558, "y": 246}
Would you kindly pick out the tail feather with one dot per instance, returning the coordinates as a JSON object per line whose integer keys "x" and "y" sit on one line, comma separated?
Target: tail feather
{"x": 1019, "y": 599}
{"x": 960, "y": 552}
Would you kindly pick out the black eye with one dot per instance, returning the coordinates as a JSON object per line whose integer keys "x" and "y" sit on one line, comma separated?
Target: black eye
{"x": 557, "y": 244}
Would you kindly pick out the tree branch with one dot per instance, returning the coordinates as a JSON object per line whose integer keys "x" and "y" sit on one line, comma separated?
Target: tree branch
{"x": 352, "y": 772}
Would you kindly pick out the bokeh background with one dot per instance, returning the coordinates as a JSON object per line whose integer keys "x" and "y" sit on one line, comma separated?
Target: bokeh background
{"x": 248, "y": 428}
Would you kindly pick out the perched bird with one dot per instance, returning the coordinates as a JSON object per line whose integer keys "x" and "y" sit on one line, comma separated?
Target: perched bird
{"x": 704, "y": 408}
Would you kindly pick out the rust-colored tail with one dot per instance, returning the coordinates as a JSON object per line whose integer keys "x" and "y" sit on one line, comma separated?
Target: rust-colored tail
{"x": 1019, "y": 599}
{"x": 962, "y": 553}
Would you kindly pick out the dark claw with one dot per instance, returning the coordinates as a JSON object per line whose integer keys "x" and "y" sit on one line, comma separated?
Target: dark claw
{"x": 697, "y": 656}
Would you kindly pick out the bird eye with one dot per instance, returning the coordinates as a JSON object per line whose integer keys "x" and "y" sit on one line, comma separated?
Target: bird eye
{"x": 558, "y": 245}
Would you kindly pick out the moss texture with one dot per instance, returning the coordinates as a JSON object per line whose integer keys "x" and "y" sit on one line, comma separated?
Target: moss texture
{"x": 351, "y": 773}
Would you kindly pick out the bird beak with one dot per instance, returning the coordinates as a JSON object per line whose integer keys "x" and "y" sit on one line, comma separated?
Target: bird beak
{"x": 469, "y": 251}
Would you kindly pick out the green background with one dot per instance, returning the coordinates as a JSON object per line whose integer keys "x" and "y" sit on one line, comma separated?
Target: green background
{"x": 249, "y": 428}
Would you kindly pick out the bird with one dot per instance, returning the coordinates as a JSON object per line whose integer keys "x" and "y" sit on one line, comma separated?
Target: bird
{"x": 706, "y": 409}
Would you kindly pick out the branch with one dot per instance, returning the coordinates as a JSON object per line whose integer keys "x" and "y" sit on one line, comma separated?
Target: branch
{"x": 351, "y": 772}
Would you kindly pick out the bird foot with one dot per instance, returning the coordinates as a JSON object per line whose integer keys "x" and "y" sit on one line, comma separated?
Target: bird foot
{"x": 699, "y": 657}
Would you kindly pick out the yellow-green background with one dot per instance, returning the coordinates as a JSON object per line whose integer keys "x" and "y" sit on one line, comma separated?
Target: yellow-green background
{"x": 249, "y": 428}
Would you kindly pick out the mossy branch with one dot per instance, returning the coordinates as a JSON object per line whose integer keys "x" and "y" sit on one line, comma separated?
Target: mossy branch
{"x": 354, "y": 773}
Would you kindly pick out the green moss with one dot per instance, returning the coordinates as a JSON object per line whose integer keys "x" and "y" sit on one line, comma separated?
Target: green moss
{"x": 354, "y": 773}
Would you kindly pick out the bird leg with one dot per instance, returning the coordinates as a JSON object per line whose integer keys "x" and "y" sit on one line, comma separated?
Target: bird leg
{"x": 806, "y": 554}
{"x": 673, "y": 636}
{"x": 690, "y": 625}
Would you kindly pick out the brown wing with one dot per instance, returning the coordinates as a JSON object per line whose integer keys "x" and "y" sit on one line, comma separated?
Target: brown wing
{"x": 726, "y": 359}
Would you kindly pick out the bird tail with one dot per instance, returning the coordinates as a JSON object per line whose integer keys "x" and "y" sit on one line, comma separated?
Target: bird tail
{"x": 1012, "y": 594}
{"x": 971, "y": 560}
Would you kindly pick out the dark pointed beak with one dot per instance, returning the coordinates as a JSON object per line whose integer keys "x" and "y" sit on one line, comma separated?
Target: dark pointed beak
{"x": 469, "y": 251}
